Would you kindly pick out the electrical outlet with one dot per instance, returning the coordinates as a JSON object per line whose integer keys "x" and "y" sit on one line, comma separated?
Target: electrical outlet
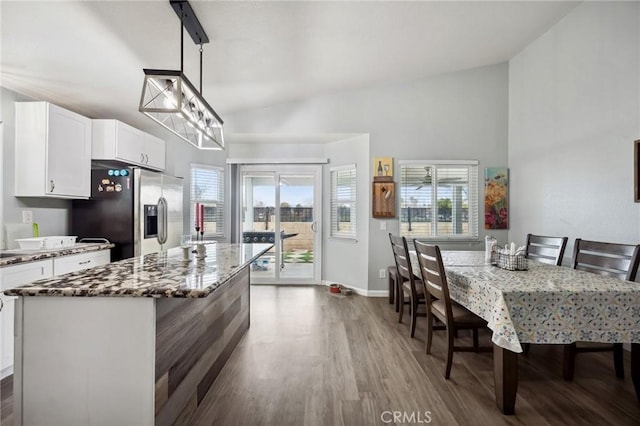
{"x": 27, "y": 216}
{"x": 383, "y": 273}
{"x": 383, "y": 225}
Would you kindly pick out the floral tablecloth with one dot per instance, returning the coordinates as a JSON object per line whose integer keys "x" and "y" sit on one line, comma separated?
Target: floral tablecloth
{"x": 545, "y": 304}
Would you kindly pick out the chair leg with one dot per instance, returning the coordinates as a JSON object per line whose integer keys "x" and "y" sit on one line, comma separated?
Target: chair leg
{"x": 392, "y": 288}
{"x": 475, "y": 338}
{"x": 450, "y": 333}
{"x": 429, "y": 330}
{"x": 569, "y": 361}
{"x": 399, "y": 296}
{"x": 618, "y": 360}
{"x": 414, "y": 314}
{"x": 401, "y": 307}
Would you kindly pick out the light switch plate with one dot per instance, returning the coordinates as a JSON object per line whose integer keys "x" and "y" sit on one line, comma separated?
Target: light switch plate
{"x": 383, "y": 225}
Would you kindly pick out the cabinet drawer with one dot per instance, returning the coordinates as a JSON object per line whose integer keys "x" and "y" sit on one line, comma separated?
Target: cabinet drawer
{"x": 77, "y": 262}
{"x": 13, "y": 276}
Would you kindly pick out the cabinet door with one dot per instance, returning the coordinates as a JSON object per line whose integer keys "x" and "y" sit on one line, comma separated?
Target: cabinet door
{"x": 129, "y": 144}
{"x": 13, "y": 276}
{"x": 68, "y": 158}
{"x": 77, "y": 262}
{"x": 154, "y": 149}
{"x": 24, "y": 273}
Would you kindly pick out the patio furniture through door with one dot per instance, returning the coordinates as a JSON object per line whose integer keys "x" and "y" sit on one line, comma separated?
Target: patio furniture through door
{"x": 293, "y": 227}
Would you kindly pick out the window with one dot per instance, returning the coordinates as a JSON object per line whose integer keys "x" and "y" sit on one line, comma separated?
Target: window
{"x": 207, "y": 187}
{"x": 439, "y": 199}
{"x": 343, "y": 202}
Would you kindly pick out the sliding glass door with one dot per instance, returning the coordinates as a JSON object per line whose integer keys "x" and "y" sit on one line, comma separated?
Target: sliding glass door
{"x": 282, "y": 205}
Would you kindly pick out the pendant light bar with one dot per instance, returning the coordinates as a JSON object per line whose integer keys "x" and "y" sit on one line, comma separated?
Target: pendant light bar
{"x": 169, "y": 98}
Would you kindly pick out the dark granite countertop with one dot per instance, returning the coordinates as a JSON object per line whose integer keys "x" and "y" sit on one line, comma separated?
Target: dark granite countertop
{"x": 23, "y": 256}
{"x": 163, "y": 274}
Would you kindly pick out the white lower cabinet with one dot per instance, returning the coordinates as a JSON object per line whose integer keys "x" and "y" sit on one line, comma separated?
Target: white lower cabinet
{"x": 77, "y": 262}
{"x": 25, "y": 273}
{"x": 13, "y": 276}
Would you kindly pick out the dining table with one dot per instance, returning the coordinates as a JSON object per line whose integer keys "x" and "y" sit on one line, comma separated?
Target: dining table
{"x": 544, "y": 304}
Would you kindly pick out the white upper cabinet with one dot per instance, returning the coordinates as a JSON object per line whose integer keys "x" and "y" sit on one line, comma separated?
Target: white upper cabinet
{"x": 53, "y": 152}
{"x": 115, "y": 140}
{"x": 155, "y": 149}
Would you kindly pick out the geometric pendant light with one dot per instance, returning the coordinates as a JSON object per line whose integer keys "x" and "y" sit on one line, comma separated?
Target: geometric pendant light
{"x": 170, "y": 99}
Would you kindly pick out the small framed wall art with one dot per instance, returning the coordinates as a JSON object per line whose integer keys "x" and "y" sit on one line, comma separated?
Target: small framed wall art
{"x": 382, "y": 168}
{"x": 496, "y": 198}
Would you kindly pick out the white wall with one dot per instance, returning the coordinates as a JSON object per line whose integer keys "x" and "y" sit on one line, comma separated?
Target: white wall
{"x": 460, "y": 115}
{"x": 346, "y": 261}
{"x": 574, "y": 112}
{"x": 52, "y": 215}
{"x": 276, "y": 151}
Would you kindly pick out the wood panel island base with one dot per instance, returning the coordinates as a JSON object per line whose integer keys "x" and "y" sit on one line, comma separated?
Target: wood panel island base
{"x": 145, "y": 352}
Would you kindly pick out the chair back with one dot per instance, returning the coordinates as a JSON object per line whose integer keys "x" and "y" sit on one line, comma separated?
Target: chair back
{"x": 434, "y": 276}
{"x": 403, "y": 262}
{"x": 401, "y": 256}
{"x": 546, "y": 249}
{"x": 611, "y": 259}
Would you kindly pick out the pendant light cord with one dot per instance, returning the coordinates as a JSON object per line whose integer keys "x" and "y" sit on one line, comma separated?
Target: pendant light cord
{"x": 201, "y": 68}
{"x": 181, "y": 39}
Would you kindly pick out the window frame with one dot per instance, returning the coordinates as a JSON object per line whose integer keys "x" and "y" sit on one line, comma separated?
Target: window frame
{"x": 220, "y": 204}
{"x": 473, "y": 198}
{"x": 334, "y": 202}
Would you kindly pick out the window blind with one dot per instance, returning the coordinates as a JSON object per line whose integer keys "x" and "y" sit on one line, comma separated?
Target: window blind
{"x": 207, "y": 188}
{"x": 439, "y": 200}
{"x": 343, "y": 202}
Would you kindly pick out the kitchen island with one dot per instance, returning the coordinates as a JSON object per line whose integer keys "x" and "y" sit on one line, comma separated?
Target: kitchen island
{"x": 138, "y": 341}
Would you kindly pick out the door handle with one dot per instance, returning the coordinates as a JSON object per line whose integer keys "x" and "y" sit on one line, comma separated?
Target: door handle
{"x": 84, "y": 263}
{"x": 142, "y": 158}
{"x": 162, "y": 220}
{"x": 313, "y": 227}
{"x": 53, "y": 185}
{"x": 146, "y": 158}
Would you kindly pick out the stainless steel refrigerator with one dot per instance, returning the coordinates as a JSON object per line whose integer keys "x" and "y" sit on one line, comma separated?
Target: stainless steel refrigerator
{"x": 140, "y": 211}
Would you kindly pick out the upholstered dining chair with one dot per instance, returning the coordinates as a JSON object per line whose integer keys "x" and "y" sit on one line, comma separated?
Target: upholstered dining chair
{"x": 411, "y": 288}
{"x": 439, "y": 304}
{"x": 545, "y": 249}
{"x": 611, "y": 259}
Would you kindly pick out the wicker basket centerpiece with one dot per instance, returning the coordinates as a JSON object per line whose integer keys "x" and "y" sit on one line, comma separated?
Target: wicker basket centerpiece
{"x": 511, "y": 262}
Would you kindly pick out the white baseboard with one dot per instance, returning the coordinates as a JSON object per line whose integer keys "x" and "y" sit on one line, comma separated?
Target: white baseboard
{"x": 362, "y": 292}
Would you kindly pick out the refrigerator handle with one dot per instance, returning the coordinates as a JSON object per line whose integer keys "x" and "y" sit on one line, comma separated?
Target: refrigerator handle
{"x": 162, "y": 220}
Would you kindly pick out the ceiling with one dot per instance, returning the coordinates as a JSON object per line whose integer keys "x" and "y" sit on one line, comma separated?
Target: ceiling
{"x": 88, "y": 56}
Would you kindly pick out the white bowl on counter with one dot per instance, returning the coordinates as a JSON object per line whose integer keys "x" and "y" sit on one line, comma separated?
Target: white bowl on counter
{"x": 46, "y": 243}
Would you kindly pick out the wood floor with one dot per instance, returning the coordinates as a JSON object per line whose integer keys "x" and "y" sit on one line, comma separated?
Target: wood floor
{"x": 313, "y": 358}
